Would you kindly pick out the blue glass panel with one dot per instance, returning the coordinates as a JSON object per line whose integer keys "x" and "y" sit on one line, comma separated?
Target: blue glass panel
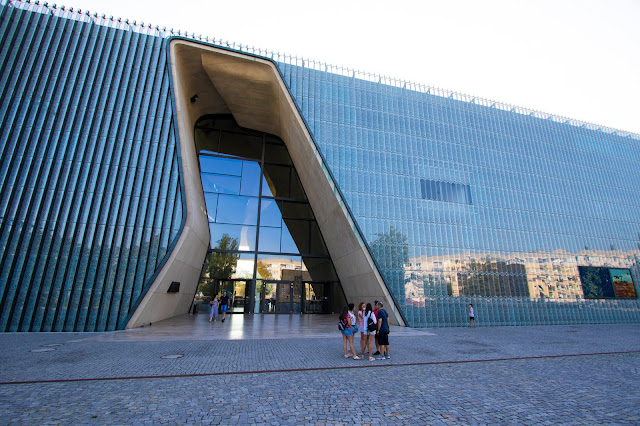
{"x": 269, "y": 239}
{"x": 237, "y": 209}
{"x": 270, "y": 213}
{"x": 211, "y": 201}
{"x": 221, "y": 183}
{"x": 220, "y": 165}
{"x": 245, "y": 235}
{"x": 287, "y": 244}
{"x": 250, "y": 179}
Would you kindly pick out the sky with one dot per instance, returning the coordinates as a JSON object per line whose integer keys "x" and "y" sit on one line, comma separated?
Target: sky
{"x": 578, "y": 59}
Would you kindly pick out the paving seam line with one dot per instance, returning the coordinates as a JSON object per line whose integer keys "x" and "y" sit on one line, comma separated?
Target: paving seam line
{"x": 288, "y": 370}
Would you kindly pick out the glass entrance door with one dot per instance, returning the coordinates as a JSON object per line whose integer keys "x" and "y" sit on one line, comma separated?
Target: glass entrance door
{"x": 316, "y": 297}
{"x": 237, "y": 292}
{"x": 280, "y": 297}
{"x": 283, "y": 297}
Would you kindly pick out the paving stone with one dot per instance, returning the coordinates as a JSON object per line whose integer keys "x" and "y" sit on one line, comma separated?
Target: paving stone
{"x": 526, "y": 375}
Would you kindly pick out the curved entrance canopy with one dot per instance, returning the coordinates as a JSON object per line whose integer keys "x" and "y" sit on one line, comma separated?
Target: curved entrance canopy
{"x": 209, "y": 80}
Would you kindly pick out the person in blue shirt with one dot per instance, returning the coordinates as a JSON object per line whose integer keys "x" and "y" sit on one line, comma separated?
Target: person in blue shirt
{"x": 224, "y": 304}
{"x": 383, "y": 332}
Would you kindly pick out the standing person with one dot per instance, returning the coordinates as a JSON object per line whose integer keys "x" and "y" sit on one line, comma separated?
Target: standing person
{"x": 224, "y": 305}
{"x": 361, "y": 326}
{"x": 375, "y": 338}
{"x": 213, "y": 312}
{"x": 370, "y": 327}
{"x": 354, "y": 328}
{"x": 472, "y": 316}
{"x": 383, "y": 331}
{"x": 347, "y": 332}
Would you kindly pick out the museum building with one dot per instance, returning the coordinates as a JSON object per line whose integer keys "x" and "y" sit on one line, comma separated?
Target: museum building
{"x": 140, "y": 165}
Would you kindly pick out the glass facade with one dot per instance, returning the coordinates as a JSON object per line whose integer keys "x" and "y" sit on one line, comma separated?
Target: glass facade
{"x": 464, "y": 201}
{"x": 532, "y": 218}
{"x": 265, "y": 247}
{"x": 91, "y": 198}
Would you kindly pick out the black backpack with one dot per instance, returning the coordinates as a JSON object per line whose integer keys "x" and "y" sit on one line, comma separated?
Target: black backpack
{"x": 371, "y": 324}
{"x": 341, "y": 325}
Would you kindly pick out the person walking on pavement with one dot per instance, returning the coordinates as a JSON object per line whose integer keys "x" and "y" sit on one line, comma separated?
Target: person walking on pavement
{"x": 224, "y": 304}
{"x": 383, "y": 332}
{"x": 472, "y": 316}
{"x": 213, "y": 312}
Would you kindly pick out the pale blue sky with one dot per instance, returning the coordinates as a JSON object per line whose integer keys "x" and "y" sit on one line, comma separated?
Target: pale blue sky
{"x": 578, "y": 59}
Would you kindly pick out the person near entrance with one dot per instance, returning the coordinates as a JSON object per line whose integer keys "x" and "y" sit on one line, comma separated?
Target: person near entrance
{"x": 383, "y": 331}
{"x": 224, "y": 304}
{"x": 213, "y": 313}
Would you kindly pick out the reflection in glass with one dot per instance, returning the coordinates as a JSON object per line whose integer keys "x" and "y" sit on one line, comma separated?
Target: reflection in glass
{"x": 276, "y": 153}
{"x": 241, "y": 145}
{"x": 234, "y": 207}
{"x": 287, "y": 244}
{"x": 246, "y": 235}
{"x": 220, "y": 165}
{"x": 269, "y": 239}
{"x": 295, "y": 210}
{"x": 220, "y": 183}
{"x": 317, "y": 243}
{"x": 250, "y": 178}
{"x": 270, "y": 213}
{"x": 237, "y": 209}
{"x": 276, "y": 181}
{"x": 296, "y": 192}
{"x": 211, "y": 201}
{"x": 283, "y": 267}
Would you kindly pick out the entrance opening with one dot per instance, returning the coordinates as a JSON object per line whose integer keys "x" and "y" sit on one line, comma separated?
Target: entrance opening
{"x": 266, "y": 251}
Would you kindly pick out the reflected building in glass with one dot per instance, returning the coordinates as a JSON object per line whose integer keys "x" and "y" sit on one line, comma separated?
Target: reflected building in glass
{"x": 140, "y": 167}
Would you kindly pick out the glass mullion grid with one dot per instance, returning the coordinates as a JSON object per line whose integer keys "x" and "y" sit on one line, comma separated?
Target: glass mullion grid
{"x": 29, "y": 204}
{"x": 120, "y": 207}
{"x": 66, "y": 177}
{"x": 97, "y": 261}
{"x": 94, "y": 124}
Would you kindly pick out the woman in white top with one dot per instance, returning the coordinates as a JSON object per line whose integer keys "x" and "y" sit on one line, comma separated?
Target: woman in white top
{"x": 361, "y": 325}
{"x": 354, "y": 325}
{"x": 369, "y": 335}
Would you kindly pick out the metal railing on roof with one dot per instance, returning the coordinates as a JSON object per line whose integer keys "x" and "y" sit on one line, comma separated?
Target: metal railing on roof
{"x": 155, "y": 30}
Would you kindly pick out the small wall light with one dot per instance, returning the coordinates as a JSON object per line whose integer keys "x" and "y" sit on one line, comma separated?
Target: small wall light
{"x": 194, "y": 98}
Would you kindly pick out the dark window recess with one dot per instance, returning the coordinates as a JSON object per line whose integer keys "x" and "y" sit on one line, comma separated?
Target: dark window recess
{"x": 445, "y": 191}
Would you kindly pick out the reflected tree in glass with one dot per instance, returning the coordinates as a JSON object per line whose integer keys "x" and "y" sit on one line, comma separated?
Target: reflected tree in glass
{"x": 220, "y": 264}
{"x": 391, "y": 251}
{"x": 263, "y": 270}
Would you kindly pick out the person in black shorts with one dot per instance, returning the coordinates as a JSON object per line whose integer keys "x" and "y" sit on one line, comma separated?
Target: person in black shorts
{"x": 383, "y": 332}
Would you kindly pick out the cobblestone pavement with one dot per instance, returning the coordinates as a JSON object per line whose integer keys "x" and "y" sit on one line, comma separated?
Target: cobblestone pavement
{"x": 501, "y": 375}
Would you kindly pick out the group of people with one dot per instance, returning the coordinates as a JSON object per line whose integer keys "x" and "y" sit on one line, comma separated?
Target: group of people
{"x": 373, "y": 324}
{"x": 218, "y": 303}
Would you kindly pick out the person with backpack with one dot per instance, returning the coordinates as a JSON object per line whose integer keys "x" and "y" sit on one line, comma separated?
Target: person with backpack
{"x": 383, "y": 332}
{"x": 354, "y": 327}
{"x": 361, "y": 327}
{"x": 344, "y": 324}
{"x": 370, "y": 328}
{"x": 375, "y": 339}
